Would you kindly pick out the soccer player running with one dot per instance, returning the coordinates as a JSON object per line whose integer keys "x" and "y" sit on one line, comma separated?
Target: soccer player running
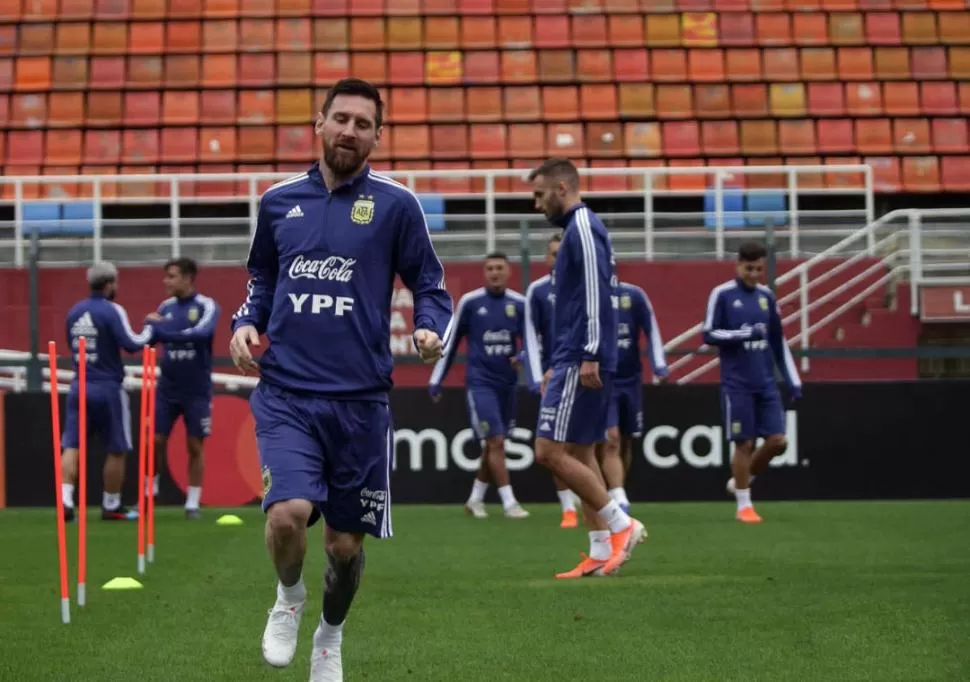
{"x": 327, "y": 246}
{"x": 576, "y": 395}
{"x": 539, "y": 302}
{"x": 104, "y": 324}
{"x": 625, "y": 422}
{"x": 185, "y": 323}
{"x": 744, "y": 322}
{"x": 493, "y": 319}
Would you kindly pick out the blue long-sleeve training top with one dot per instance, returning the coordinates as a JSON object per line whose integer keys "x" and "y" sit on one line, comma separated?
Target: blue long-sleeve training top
{"x": 745, "y": 325}
{"x": 585, "y": 276}
{"x": 635, "y": 314}
{"x": 187, "y": 332}
{"x": 540, "y": 300}
{"x": 322, "y": 267}
{"x": 107, "y": 331}
{"x": 494, "y": 324}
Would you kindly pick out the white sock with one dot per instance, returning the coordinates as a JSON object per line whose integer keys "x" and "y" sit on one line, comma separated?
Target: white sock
{"x": 614, "y": 517}
{"x": 508, "y": 497}
{"x": 328, "y": 636}
{"x": 479, "y": 489}
{"x": 156, "y": 485}
{"x": 67, "y": 492}
{"x": 619, "y": 495}
{"x": 744, "y": 498}
{"x": 110, "y": 501}
{"x": 192, "y": 497}
{"x": 566, "y": 500}
{"x": 294, "y": 594}
{"x": 599, "y": 545}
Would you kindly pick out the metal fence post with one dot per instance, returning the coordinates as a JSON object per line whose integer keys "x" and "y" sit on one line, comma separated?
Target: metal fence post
{"x": 35, "y": 380}
{"x": 524, "y": 254}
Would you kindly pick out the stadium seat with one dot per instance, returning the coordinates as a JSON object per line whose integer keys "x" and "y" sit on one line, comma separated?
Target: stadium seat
{"x": 42, "y": 216}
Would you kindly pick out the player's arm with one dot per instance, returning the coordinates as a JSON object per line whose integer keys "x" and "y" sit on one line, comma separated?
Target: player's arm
{"x": 779, "y": 348}
{"x": 648, "y": 323}
{"x": 456, "y": 331}
{"x": 124, "y": 335}
{"x": 422, "y": 273}
{"x": 582, "y": 248}
{"x": 263, "y": 266}
{"x": 716, "y": 331}
{"x": 533, "y": 349}
{"x": 205, "y": 328}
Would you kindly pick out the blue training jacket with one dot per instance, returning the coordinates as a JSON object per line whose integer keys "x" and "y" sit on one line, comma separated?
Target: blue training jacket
{"x": 322, "y": 267}
{"x": 188, "y": 330}
{"x": 105, "y": 326}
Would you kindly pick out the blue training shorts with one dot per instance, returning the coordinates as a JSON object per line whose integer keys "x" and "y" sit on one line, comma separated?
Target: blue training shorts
{"x": 491, "y": 411}
{"x": 335, "y": 453}
{"x": 626, "y": 408}
{"x": 571, "y": 413}
{"x": 109, "y": 417}
{"x": 749, "y": 415}
{"x": 196, "y": 412}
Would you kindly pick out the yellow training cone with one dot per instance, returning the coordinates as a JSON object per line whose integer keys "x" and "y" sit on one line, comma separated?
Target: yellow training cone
{"x": 229, "y": 520}
{"x": 122, "y": 584}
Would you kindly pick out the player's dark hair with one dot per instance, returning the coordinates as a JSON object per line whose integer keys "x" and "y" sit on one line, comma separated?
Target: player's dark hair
{"x": 360, "y": 88}
{"x": 186, "y": 266}
{"x": 554, "y": 238}
{"x": 751, "y": 251}
{"x": 497, "y": 255}
{"x": 558, "y": 168}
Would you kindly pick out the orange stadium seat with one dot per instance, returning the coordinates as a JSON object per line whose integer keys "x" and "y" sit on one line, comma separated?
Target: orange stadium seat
{"x": 151, "y": 84}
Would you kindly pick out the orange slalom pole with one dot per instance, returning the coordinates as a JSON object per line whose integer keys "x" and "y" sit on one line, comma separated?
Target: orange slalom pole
{"x": 151, "y": 457}
{"x": 82, "y": 469}
{"x": 142, "y": 451}
{"x": 58, "y": 481}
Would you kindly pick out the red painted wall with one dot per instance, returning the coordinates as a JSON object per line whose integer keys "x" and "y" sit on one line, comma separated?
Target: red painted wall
{"x": 679, "y": 291}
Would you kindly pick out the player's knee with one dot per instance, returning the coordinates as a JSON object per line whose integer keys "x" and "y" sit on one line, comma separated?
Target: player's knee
{"x": 287, "y": 519}
{"x": 342, "y": 546}
{"x": 613, "y": 439}
{"x": 495, "y": 445}
{"x": 779, "y": 444}
{"x": 547, "y": 452}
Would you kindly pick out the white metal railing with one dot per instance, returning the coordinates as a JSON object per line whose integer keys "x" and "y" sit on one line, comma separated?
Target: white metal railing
{"x": 636, "y": 233}
{"x": 894, "y": 261}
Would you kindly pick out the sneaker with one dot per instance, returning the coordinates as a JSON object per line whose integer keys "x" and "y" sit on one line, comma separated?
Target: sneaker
{"x": 325, "y": 666}
{"x": 569, "y": 519}
{"x": 476, "y": 509}
{"x": 69, "y": 514}
{"x": 193, "y": 514}
{"x": 747, "y": 515}
{"x": 122, "y": 513}
{"x": 623, "y": 544}
{"x": 516, "y": 512}
{"x": 279, "y": 637}
{"x": 587, "y": 567}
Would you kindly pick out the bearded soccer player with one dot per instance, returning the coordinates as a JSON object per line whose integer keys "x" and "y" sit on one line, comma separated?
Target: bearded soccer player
{"x": 186, "y": 324}
{"x": 635, "y": 314}
{"x": 493, "y": 319}
{"x": 104, "y": 324}
{"x": 539, "y": 302}
{"x": 327, "y": 247}
{"x": 744, "y": 322}
{"x": 576, "y": 396}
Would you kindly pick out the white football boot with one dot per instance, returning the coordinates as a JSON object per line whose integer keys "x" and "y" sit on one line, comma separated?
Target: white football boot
{"x": 280, "y": 635}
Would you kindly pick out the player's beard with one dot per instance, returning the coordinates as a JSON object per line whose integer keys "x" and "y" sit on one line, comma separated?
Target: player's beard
{"x": 343, "y": 160}
{"x": 554, "y": 211}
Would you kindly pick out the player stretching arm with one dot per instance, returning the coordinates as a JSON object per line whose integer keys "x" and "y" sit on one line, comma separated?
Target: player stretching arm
{"x": 539, "y": 302}
{"x": 576, "y": 396}
{"x": 743, "y": 321}
{"x": 635, "y": 314}
{"x": 186, "y": 323}
{"x": 493, "y": 319}
{"x": 104, "y": 325}
{"x": 327, "y": 246}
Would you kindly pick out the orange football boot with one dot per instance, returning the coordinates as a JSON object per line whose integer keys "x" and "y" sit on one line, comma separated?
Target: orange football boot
{"x": 569, "y": 519}
{"x": 586, "y": 567}
{"x": 748, "y": 515}
{"x": 623, "y": 544}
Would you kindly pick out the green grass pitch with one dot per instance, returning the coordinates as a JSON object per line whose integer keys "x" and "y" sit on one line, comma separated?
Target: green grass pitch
{"x": 820, "y": 591}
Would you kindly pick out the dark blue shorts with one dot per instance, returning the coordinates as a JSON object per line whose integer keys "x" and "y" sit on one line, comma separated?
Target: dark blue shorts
{"x": 570, "y": 413}
{"x": 626, "y": 408}
{"x": 109, "y": 417}
{"x": 491, "y": 411}
{"x": 335, "y": 453}
{"x": 750, "y": 415}
{"x": 196, "y": 412}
